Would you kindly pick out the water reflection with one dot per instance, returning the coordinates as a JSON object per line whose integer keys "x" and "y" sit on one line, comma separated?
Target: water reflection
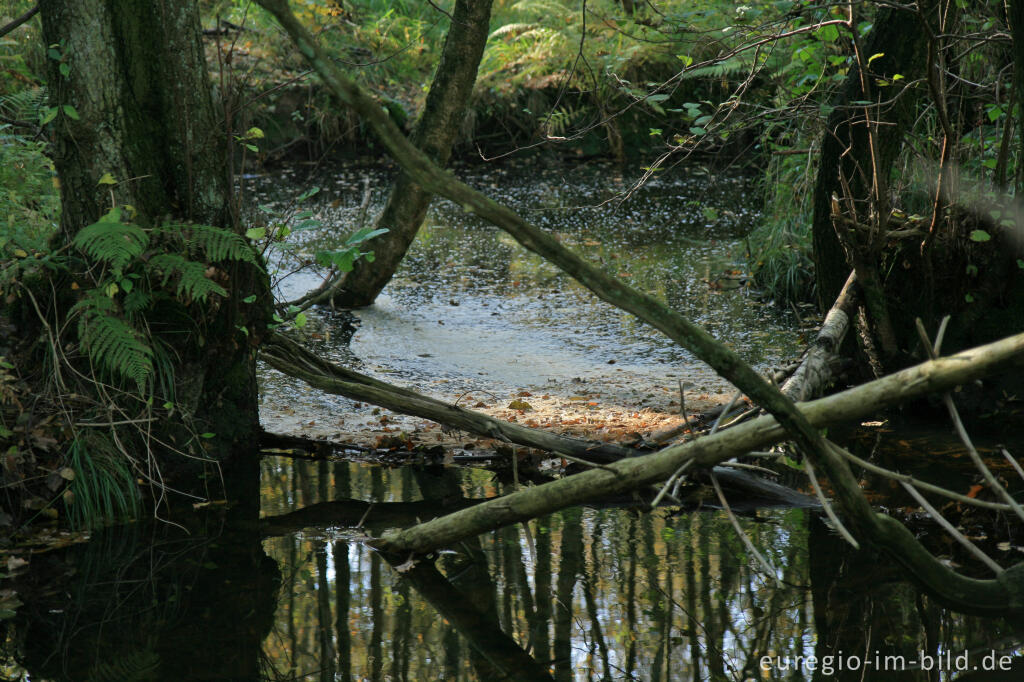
{"x": 598, "y": 593}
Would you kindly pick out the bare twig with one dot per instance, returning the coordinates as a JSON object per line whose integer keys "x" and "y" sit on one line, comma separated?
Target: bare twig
{"x": 768, "y": 568}
{"x": 957, "y": 535}
{"x": 836, "y": 523}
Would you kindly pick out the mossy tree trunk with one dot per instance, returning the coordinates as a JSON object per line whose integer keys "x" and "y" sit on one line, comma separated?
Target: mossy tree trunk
{"x": 129, "y": 82}
{"x": 435, "y": 133}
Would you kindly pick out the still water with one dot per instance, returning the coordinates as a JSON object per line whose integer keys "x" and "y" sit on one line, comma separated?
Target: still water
{"x": 275, "y": 584}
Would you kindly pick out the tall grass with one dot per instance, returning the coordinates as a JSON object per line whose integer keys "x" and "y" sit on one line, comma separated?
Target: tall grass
{"x": 103, "y": 489}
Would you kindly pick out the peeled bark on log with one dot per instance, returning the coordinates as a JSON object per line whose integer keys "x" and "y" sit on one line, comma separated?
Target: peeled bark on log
{"x": 815, "y": 370}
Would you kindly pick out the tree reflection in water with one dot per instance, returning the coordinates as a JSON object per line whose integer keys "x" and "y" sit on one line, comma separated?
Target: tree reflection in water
{"x": 599, "y": 593}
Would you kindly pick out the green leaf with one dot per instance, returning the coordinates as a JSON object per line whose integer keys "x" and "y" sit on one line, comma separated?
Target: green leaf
{"x": 308, "y": 193}
{"x": 362, "y": 235}
{"x": 107, "y": 179}
{"x": 877, "y": 55}
{"x": 65, "y": 70}
{"x": 1020, "y": 263}
{"x": 47, "y": 115}
{"x": 685, "y": 59}
{"x": 71, "y": 112}
{"x": 697, "y": 130}
{"x": 249, "y": 299}
{"x": 252, "y": 147}
{"x": 300, "y": 320}
{"x": 827, "y": 34}
{"x": 256, "y": 232}
{"x": 980, "y": 236}
{"x": 207, "y": 435}
{"x": 968, "y": 298}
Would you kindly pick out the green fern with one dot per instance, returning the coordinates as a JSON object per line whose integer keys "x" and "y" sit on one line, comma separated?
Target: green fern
{"x": 112, "y": 342}
{"x": 192, "y": 280}
{"x": 112, "y": 241}
{"x": 729, "y": 67}
{"x": 137, "y": 301}
{"x": 216, "y": 243}
{"x": 24, "y": 104}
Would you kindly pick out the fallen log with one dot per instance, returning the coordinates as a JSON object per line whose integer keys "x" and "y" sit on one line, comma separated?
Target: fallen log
{"x": 293, "y": 359}
{"x": 635, "y": 472}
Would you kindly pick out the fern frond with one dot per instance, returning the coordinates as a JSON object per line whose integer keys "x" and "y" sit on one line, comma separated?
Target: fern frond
{"x": 112, "y": 241}
{"x": 511, "y": 29}
{"x": 192, "y": 279}
{"x": 136, "y": 301}
{"x": 24, "y": 104}
{"x": 216, "y": 243}
{"x": 110, "y": 341}
{"x": 728, "y": 67}
{"x": 547, "y": 8}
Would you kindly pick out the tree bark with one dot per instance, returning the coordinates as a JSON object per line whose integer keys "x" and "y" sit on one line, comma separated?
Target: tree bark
{"x": 846, "y": 163}
{"x": 434, "y": 134}
{"x": 135, "y": 77}
{"x": 813, "y": 375}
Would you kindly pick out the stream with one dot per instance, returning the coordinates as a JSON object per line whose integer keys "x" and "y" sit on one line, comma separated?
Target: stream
{"x": 276, "y": 585}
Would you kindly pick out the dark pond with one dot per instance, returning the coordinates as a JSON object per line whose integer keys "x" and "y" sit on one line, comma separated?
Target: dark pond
{"x": 276, "y": 585}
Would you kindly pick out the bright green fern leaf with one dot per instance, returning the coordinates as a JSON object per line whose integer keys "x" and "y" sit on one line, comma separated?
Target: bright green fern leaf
{"x": 110, "y": 341}
{"x": 192, "y": 280}
{"x": 112, "y": 241}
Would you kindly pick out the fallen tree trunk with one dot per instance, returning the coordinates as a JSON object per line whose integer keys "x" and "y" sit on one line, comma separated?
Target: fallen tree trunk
{"x": 607, "y": 287}
{"x": 292, "y": 359}
{"x": 633, "y": 473}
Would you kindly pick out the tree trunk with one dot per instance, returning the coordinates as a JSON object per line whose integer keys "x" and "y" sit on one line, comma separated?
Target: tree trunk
{"x": 847, "y": 168}
{"x": 435, "y": 133}
{"x": 135, "y": 107}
